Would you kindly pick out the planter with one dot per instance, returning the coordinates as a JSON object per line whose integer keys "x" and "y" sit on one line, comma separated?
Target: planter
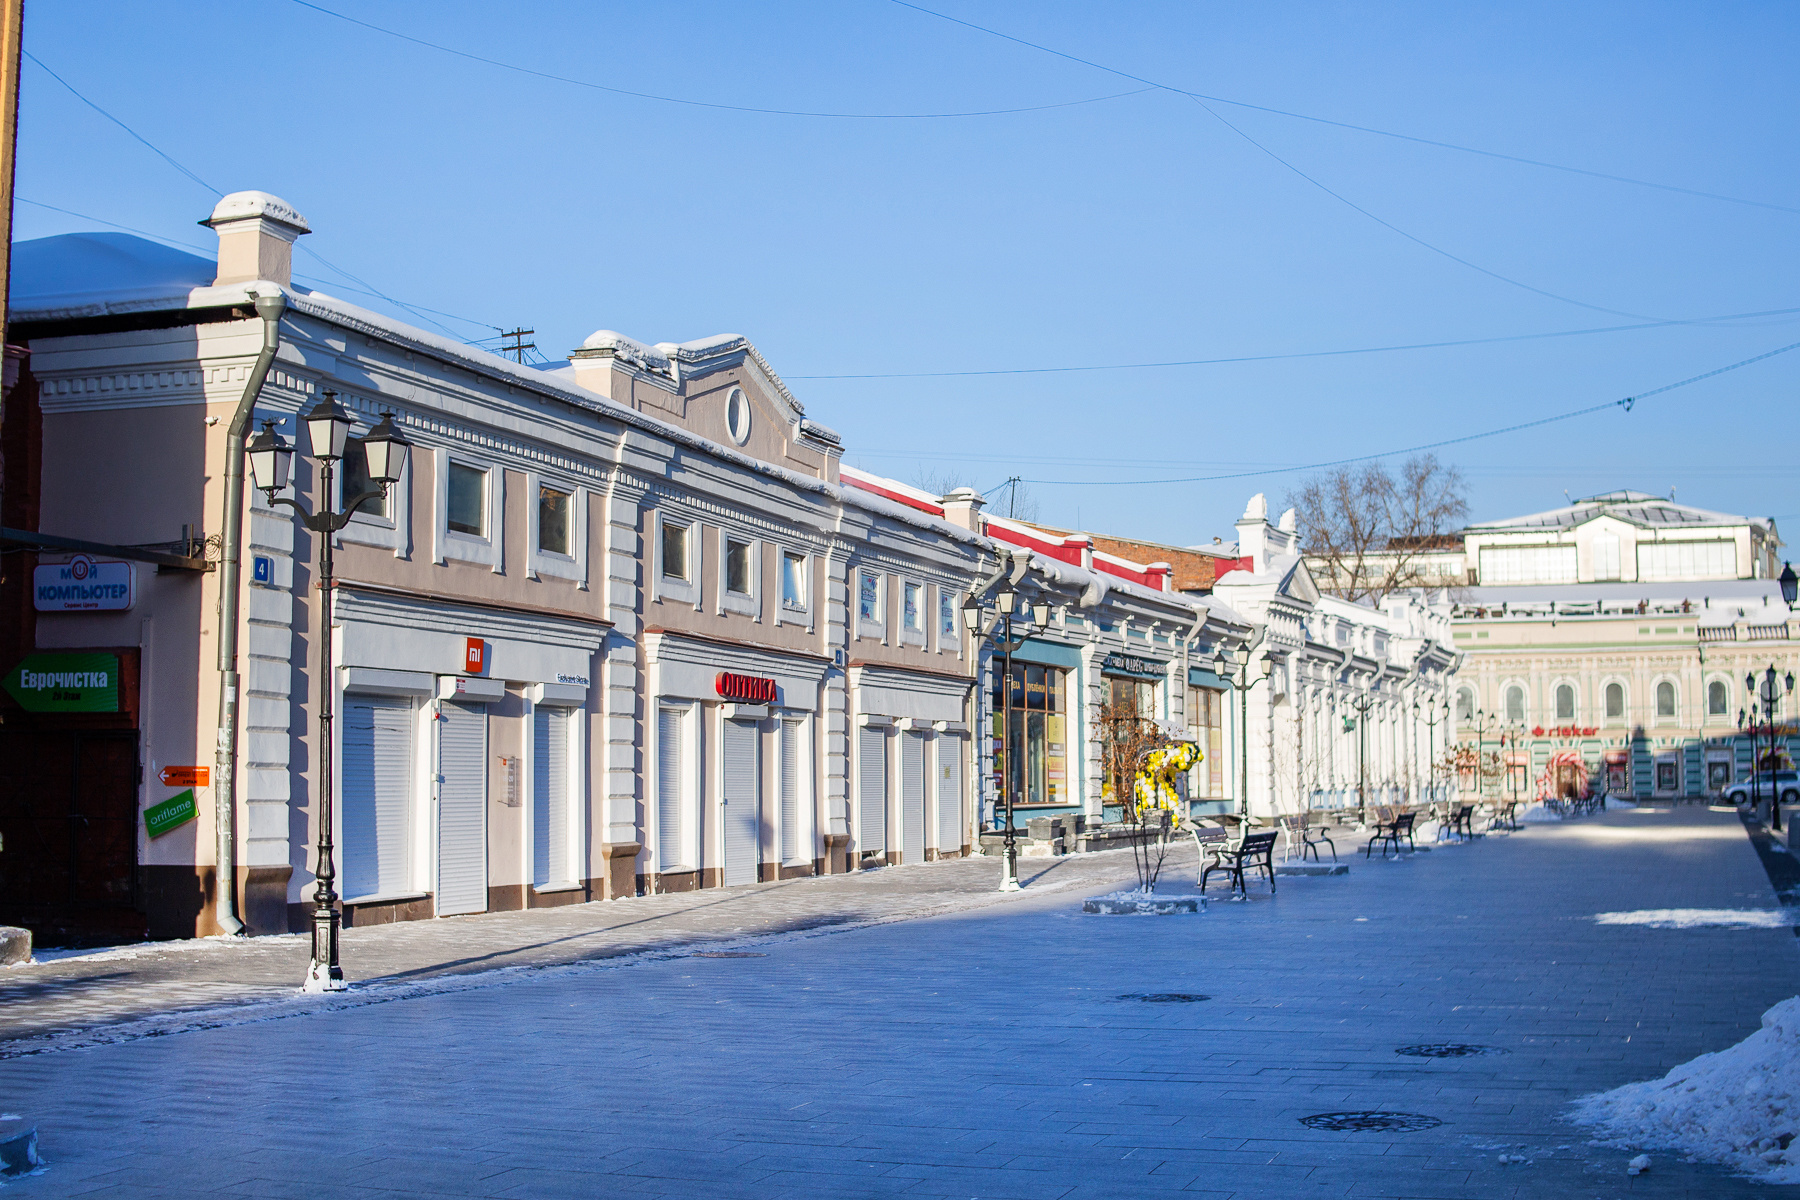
{"x": 1160, "y": 904}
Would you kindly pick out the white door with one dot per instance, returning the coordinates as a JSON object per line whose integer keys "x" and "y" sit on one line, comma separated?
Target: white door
{"x": 671, "y": 755}
{"x": 871, "y": 765}
{"x": 462, "y": 809}
{"x": 742, "y": 809}
{"x": 796, "y": 845}
{"x": 550, "y": 797}
{"x": 949, "y": 793}
{"x": 912, "y": 796}
{"x": 376, "y": 796}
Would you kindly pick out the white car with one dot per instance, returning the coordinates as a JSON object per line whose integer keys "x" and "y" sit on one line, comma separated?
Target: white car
{"x": 1786, "y": 783}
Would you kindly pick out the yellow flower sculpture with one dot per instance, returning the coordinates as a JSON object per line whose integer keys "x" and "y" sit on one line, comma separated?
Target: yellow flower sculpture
{"x": 1154, "y": 786}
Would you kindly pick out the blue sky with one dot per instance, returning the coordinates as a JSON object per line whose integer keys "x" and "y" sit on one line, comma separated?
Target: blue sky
{"x": 1139, "y": 228}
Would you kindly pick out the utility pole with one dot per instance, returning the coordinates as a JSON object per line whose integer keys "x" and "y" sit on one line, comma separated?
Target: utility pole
{"x": 1012, "y": 497}
{"x": 518, "y": 345}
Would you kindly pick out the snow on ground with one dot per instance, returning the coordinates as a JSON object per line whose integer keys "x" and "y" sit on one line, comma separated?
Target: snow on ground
{"x": 1537, "y": 814}
{"x": 1701, "y": 918}
{"x": 1739, "y": 1107}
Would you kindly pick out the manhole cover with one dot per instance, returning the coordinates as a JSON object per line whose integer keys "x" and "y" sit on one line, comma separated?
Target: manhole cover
{"x": 1360, "y": 1122}
{"x": 727, "y": 954}
{"x": 1448, "y": 1050}
{"x": 1165, "y": 997}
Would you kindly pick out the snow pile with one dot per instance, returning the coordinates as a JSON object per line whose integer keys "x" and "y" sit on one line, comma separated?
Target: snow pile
{"x": 1537, "y": 814}
{"x": 1739, "y": 1107}
{"x": 1620, "y": 802}
{"x": 1701, "y": 918}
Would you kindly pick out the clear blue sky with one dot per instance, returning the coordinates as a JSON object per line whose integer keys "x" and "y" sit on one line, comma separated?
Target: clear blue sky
{"x": 1134, "y": 229}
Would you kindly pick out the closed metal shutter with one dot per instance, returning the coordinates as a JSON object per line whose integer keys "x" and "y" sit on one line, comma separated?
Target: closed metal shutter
{"x": 871, "y": 825}
{"x": 670, "y": 841}
{"x": 376, "y": 796}
{"x": 949, "y": 794}
{"x": 742, "y": 810}
{"x": 795, "y": 845}
{"x": 462, "y": 809}
{"x": 912, "y": 796}
{"x": 550, "y": 797}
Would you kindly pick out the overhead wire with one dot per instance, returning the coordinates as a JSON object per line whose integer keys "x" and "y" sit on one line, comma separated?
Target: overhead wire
{"x": 682, "y": 100}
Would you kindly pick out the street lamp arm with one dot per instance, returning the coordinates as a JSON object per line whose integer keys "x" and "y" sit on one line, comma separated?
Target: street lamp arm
{"x": 339, "y": 520}
{"x": 306, "y": 516}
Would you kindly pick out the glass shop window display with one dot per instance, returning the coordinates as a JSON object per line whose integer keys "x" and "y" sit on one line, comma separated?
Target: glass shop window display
{"x": 1036, "y": 763}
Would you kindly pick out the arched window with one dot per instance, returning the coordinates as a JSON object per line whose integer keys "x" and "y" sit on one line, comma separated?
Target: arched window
{"x": 1615, "y": 702}
{"x": 1465, "y": 704}
{"x": 1515, "y": 703}
{"x": 1718, "y": 699}
{"x": 1565, "y": 702}
{"x": 1665, "y": 699}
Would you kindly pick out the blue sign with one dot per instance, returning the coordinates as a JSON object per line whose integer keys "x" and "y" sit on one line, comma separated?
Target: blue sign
{"x": 262, "y": 569}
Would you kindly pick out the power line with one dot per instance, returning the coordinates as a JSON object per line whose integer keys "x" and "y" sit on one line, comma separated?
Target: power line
{"x": 1388, "y": 133}
{"x": 1250, "y": 358}
{"x": 1626, "y": 403}
{"x": 743, "y": 108}
{"x": 122, "y": 125}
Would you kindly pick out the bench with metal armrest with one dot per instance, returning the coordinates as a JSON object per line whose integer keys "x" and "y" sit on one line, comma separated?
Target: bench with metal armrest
{"x": 1390, "y": 833}
{"x": 1255, "y": 853}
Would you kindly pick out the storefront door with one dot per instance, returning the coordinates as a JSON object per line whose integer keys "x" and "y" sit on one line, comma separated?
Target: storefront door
{"x": 912, "y": 796}
{"x": 550, "y": 797}
{"x": 796, "y": 846}
{"x": 871, "y": 769}
{"x": 462, "y": 877}
{"x": 376, "y": 796}
{"x": 949, "y": 795}
{"x": 742, "y": 802}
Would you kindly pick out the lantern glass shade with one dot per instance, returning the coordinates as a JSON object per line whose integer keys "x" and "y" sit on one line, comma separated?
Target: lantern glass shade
{"x": 328, "y": 427}
{"x": 1008, "y": 600}
{"x": 271, "y": 459}
{"x": 1790, "y": 584}
{"x": 1040, "y": 614}
{"x": 971, "y": 611}
{"x": 1750, "y": 682}
{"x": 1268, "y": 667}
{"x": 386, "y": 448}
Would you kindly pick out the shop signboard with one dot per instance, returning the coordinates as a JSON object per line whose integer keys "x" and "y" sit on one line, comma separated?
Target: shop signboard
{"x": 1133, "y": 666}
{"x": 82, "y": 585}
{"x": 746, "y": 689}
{"x": 67, "y": 682}
{"x": 186, "y": 776}
{"x": 172, "y": 813}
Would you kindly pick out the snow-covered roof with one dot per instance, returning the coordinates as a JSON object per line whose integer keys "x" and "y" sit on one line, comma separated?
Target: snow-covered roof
{"x": 94, "y": 274}
{"x": 1765, "y": 592}
{"x": 1634, "y": 508}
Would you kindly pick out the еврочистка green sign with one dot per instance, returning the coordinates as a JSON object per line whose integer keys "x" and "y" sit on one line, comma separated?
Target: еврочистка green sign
{"x": 77, "y": 681}
{"x": 172, "y": 813}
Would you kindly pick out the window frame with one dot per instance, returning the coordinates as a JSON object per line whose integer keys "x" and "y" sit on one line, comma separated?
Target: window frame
{"x": 1506, "y": 690}
{"x": 1623, "y": 716}
{"x": 1723, "y": 682}
{"x": 1673, "y": 716}
{"x": 914, "y": 589}
{"x": 802, "y": 613}
{"x": 574, "y": 565}
{"x": 678, "y": 588}
{"x": 392, "y": 531}
{"x": 744, "y": 603}
{"x": 451, "y": 544}
{"x": 866, "y": 627}
{"x": 1556, "y": 694}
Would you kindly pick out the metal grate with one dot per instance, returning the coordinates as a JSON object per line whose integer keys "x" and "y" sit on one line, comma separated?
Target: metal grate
{"x": 1165, "y": 997}
{"x": 1448, "y": 1050}
{"x": 1369, "y": 1121}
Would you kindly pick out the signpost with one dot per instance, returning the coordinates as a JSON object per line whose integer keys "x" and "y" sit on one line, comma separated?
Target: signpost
{"x": 186, "y": 776}
{"x": 172, "y": 813}
{"x": 70, "y": 682}
{"x": 82, "y": 585}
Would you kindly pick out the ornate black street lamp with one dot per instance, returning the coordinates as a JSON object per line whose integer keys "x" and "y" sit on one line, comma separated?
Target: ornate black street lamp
{"x": 1359, "y": 724}
{"x": 1431, "y": 724}
{"x": 1240, "y": 682}
{"x": 1768, "y": 700}
{"x": 1790, "y": 585}
{"x": 1000, "y": 636}
{"x": 271, "y": 461}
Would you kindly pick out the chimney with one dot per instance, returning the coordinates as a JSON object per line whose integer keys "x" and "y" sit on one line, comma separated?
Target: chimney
{"x": 1253, "y": 530}
{"x": 256, "y": 238}
{"x": 963, "y": 507}
{"x": 1165, "y": 575}
{"x": 1086, "y": 544}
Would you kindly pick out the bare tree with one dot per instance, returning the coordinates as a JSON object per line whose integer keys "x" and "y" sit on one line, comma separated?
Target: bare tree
{"x": 1013, "y": 498}
{"x": 1366, "y": 532}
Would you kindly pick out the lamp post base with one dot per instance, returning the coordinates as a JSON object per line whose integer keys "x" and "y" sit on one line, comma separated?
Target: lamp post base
{"x": 1009, "y": 870}
{"x": 319, "y": 978}
{"x": 323, "y": 973}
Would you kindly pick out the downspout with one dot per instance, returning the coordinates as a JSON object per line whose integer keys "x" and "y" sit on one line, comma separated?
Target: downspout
{"x": 231, "y": 535}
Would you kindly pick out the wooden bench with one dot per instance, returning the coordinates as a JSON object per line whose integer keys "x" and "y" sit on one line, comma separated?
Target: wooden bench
{"x": 1389, "y": 835}
{"x": 1255, "y": 853}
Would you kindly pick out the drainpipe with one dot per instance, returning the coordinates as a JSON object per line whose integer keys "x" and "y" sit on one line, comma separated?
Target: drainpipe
{"x": 269, "y": 308}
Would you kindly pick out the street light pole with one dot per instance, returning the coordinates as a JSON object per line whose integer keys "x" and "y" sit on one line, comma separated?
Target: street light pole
{"x": 1360, "y": 723}
{"x": 271, "y": 460}
{"x": 1006, "y": 600}
{"x": 1768, "y": 693}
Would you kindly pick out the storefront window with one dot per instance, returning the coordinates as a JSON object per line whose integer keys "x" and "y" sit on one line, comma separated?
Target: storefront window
{"x": 1206, "y": 725}
{"x": 1036, "y": 708}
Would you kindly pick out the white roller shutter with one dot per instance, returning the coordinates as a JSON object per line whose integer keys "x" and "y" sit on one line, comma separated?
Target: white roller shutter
{"x": 949, "y": 793}
{"x": 376, "y": 796}
{"x": 742, "y": 810}
{"x": 795, "y": 845}
{"x": 462, "y": 809}
{"x": 912, "y": 796}
{"x": 671, "y": 843}
{"x": 550, "y": 797}
{"x": 871, "y": 825}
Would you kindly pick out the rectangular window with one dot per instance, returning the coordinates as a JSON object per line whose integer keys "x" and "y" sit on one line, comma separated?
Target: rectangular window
{"x": 553, "y": 520}
{"x": 1206, "y": 711}
{"x": 793, "y": 581}
{"x": 1034, "y": 754}
{"x": 1606, "y": 557}
{"x": 737, "y": 566}
{"x": 1687, "y": 560}
{"x": 868, "y": 597}
{"x": 467, "y": 493}
{"x": 1527, "y": 564}
{"x": 355, "y": 479}
{"x": 913, "y": 607}
{"x": 946, "y": 614}
{"x": 674, "y": 551}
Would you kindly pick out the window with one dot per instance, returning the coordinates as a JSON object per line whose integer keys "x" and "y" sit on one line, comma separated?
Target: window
{"x": 1465, "y": 704}
{"x": 1665, "y": 699}
{"x": 912, "y": 608}
{"x": 1615, "y": 701}
{"x": 793, "y": 581}
{"x": 946, "y": 615}
{"x": 1666, "y": 776}
{"x": 737, "y": 567}
{"x": 737, "y": 416}
{"x": 868, "y": 597}
{"x": 1035, "y": 759}
{"x": 1528, "y": 564}
{"x": 1718, "y": 699}
{"x": 1687, "y": 560}
{"x": 1515, "y": 704}
{"x": 553, "y": 521}
{"x": 1606, "y": 556}
{"x": 674, "y": 551}
{"x": 468, "y": 500}
{"x": 1206, "y": 725}
{"x": 355, "y": 479}
{"x": 1565, "y": 702}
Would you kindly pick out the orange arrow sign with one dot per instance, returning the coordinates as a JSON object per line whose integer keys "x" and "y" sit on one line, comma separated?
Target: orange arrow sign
{"x": 187, "y": 776}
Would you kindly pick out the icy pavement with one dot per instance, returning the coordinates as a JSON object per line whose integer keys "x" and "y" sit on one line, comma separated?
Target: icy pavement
{"x": 1416, "y": 1028}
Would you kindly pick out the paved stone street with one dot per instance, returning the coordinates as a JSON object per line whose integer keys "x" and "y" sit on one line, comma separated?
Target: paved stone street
{"x": 988, "y": 1048}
